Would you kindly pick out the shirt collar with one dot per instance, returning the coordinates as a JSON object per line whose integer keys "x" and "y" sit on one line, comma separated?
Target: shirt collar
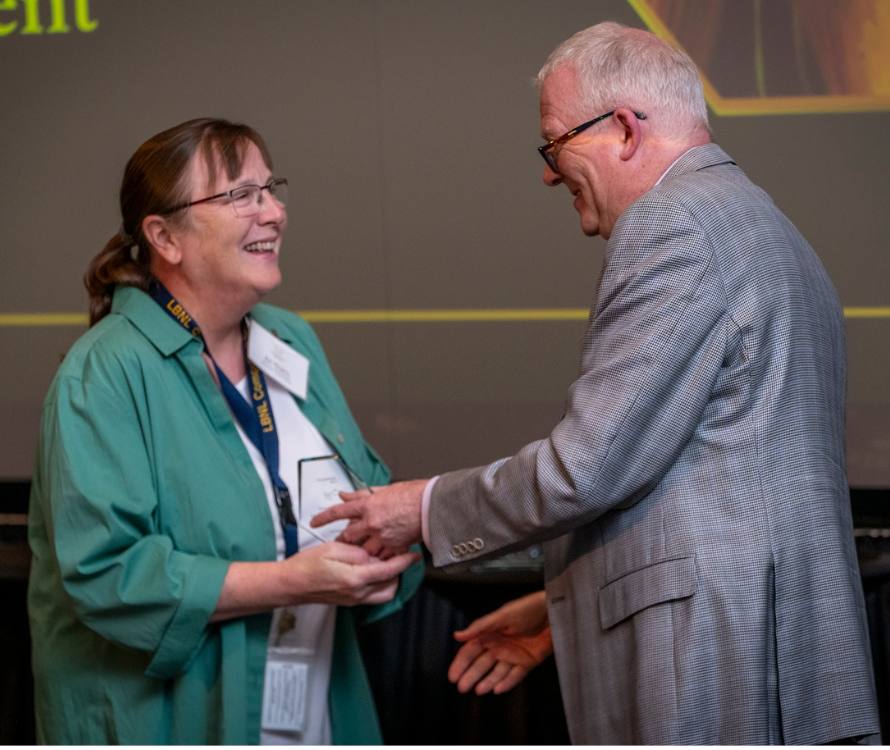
{"x": 147, "y": 316}
{"x": 671, "y": 166}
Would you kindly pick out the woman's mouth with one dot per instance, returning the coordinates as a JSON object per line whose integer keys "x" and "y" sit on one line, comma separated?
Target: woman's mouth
{"x": 260, "y": 247}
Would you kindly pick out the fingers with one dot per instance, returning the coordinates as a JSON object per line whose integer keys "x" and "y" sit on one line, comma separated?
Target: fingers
{"x": 381, "y": 593}
{"x": 347, "y": 510}
{"x": 374, "y": 547}
{"x": 378, "y": 581}
{"x": 490, "y": 665}
{"x": 388, "y": 552}
{"x": 514, "y": 677}
{"x": 368, "y": 569}
{"x": 486, "y": 624}
{"x": 480, "y": 667}
{"x": 498, "y": 672}
{"x": 372, "y": 576}
{"x": 349, "y": 497}
{"x": 355, "y": 533}
{"x": 394, "y": 566}
{"x": 346, "y": 553}
{"x": 465, "y": 656}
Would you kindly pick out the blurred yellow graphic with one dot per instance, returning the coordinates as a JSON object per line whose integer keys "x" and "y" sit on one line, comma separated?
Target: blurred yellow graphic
{"x": 781, "y": 56}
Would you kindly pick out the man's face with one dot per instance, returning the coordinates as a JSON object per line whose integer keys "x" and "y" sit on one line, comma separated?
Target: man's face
{"x": 582, "y": 161}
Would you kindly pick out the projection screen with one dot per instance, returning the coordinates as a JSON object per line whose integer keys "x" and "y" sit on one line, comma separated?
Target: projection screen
{"x": 449, "y": 286}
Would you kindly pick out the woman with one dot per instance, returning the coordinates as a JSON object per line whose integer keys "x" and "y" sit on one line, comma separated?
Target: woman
{"x": 176, "y": 596}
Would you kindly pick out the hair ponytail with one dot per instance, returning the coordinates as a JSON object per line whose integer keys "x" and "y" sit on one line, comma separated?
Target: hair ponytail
{"x": 120, "y": 263}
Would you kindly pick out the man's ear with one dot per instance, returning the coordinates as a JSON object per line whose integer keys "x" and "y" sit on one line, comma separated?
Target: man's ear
{"x": 160, "y": 235}
{"x": 632, "y": 133}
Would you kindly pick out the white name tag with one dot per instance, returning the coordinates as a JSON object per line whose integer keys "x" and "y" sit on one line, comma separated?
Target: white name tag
{"x": 278, "y": 360}
{"x": 285, "y": 691}
{"x": 321, "y": 482}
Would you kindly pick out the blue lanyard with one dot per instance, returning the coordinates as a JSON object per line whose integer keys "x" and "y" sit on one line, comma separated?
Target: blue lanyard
{"x": 255, "y": 418}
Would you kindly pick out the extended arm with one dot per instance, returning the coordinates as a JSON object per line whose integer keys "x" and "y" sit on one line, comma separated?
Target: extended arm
{"x": 652, "y": 354}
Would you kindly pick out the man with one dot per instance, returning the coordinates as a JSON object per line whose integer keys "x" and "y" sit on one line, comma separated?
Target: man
{"x": 701, "y": 578}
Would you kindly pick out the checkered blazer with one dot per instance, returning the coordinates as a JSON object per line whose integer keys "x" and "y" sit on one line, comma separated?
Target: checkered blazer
{"x": 702, "y": 581}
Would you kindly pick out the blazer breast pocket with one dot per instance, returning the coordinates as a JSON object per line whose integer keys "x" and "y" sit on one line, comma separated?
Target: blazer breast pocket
{"x": 660, "y": 582}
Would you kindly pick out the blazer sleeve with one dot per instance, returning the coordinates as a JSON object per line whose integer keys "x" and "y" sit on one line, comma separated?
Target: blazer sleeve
{"x": 125, "y": 579}
{"x": 651, "y": 357}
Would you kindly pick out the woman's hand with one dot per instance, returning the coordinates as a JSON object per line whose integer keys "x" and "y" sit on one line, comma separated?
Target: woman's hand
{"x": 330, "y": 573}
{"x": 502, "y": 647}
{"x": 338, "y": 573}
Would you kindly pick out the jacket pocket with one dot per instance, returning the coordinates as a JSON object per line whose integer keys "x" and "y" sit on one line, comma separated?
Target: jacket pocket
{"x": 661, "y": 582}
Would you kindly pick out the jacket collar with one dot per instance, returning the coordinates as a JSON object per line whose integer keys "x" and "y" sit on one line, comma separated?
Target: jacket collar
{"x": 697, "y": 158}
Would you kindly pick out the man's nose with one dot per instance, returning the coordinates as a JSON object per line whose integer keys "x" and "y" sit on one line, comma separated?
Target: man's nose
{"x": 551, "y": 178}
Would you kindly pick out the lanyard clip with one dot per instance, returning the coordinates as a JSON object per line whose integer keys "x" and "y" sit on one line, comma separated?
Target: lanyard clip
{"x": 285, "y": 507}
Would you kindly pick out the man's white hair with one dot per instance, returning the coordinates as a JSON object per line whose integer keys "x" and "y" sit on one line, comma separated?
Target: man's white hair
{"x": 619, "y": 66}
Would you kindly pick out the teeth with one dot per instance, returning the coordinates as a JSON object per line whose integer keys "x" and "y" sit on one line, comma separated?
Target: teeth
{"x": 260, "y": 247}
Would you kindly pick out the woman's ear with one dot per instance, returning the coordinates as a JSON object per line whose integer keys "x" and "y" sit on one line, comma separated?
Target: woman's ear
{"x": 162, "y": 237}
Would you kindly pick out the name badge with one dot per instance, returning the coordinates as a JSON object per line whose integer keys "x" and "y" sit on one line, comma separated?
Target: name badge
{"x": 286, "y": 690}
{"x": 278, "y": 360}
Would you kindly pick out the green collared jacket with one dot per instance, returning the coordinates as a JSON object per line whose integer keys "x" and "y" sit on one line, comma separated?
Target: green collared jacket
{"x": 142, "y": 495}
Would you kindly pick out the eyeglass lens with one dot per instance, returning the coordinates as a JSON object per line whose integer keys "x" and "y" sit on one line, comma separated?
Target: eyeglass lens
{"x": 248, "y": 200}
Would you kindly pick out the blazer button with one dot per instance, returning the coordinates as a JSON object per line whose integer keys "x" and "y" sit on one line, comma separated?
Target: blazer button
{"x": 478, "y": 544}
{"x": 340, "y": 438}
{"x": 455, "y": 550}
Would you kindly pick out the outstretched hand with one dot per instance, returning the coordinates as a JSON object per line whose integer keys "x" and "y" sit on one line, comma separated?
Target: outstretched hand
{"x": 502, "y": 647}
{"x": 383, "y": 520}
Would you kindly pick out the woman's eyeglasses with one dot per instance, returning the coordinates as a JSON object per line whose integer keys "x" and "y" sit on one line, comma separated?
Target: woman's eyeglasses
{"x": 245, "y": 200}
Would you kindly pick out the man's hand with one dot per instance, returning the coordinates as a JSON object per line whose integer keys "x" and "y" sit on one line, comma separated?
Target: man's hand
{"x": 501, "y": 648}
{"x": 385, "y": 520}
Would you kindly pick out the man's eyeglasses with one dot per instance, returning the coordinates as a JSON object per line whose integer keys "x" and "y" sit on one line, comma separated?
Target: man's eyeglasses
{"x": 245, "y": 200}
{"x": 550, "y": 150}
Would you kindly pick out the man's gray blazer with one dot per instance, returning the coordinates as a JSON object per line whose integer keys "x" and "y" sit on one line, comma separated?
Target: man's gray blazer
{"x": 702, "y": 581}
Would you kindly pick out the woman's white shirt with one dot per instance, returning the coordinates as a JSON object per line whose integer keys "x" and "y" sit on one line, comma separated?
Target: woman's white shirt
{"x": 298, "y": 439}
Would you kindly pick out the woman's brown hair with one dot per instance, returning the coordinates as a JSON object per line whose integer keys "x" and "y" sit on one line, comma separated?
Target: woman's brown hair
{"x": 155, "y": 182}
